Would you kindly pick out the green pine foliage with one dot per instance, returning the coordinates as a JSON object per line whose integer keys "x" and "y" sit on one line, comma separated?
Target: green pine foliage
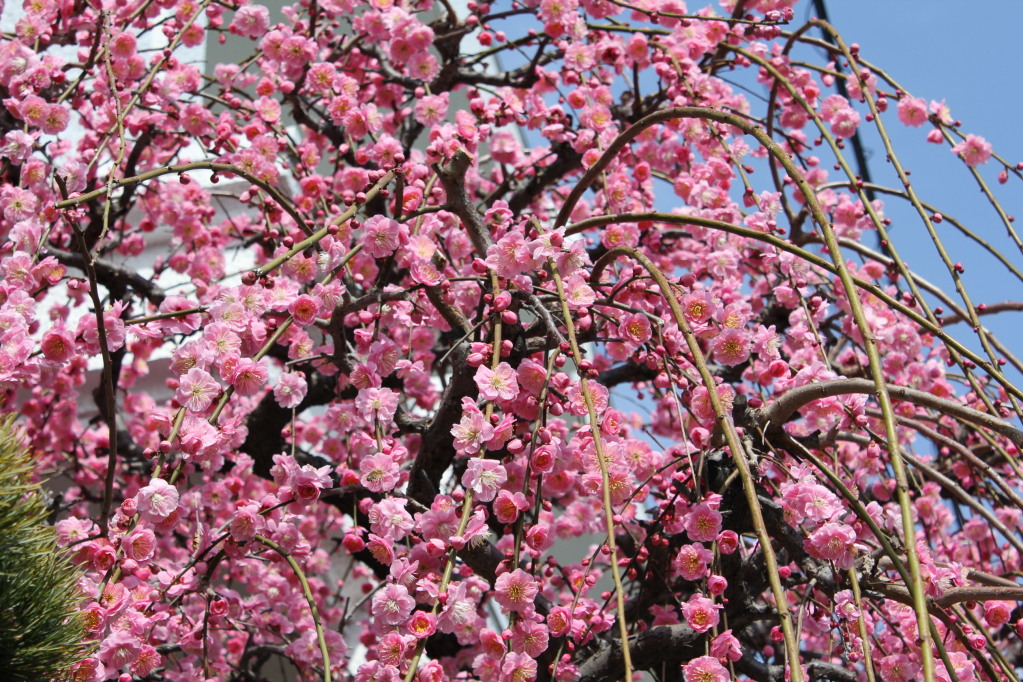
{"x": 40, "y": 628}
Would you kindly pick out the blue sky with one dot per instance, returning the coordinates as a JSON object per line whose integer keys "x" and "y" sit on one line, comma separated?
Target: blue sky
{"x": 967, "y": 54}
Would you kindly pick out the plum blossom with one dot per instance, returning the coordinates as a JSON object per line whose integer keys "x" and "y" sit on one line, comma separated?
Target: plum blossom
{"x": 248, "y": 376}
{"x": 974, "y": 150}
{"x": 497, "y": 384}
{"x": 290, "y": 389}
{"x": 701, "y": 614}
{"x": 515, "y": 591}
{"x": 159, "y": 499}
{"x": 473, "y": 430}
{"x": 393, "y": 604}
{"x": 732, "y": 347}
{"x": 380, "y": 472}
{"x": 912, "y": 111}
{"x": 380, "y": 236}
{"x": 705, "y": 669}
{"x": 692, "y": 561}
{"x": 197, "y": 389}
{"x": 484, "y": 477}
{"x": 835, "y": 542}
{"x": 58, "y": 344}
{"x": 377, "y": 403}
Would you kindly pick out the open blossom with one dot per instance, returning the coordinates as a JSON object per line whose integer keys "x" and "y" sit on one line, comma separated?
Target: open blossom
{"x": 251, "y": 21}
{"x": 499, "y": 384}
{"x": 393, "y": 604}
{"x": 578, "y": 293}
{"x": 377, "y": 403}
{"x": 245, "y": 523}
{"x": 531, "y": 376}
{"x": 380, "y": 472}
{"x": 58, "y": 344}
{"x": 380, "y": 236}
{"x": 518, "y": 667}
{"x": 702, "y": 523}
{"x": 705, "y": 669}
{"x": 997, "y": 612}
{"x": 158, "y": 499}
{"x": 635, "y": 328}
{"x": 484, "y": 477}
{"x": 508, "y": 505}
{"x": 249, "y": 376}
{"x": 912, "y": 111}
{"x": 121, "y": 648}
{"x": 140, "y": 544}
{"x": 833, "y": 541}
{"x": 290, "y": 389}
{"x": 197, "y": 389}
{"x": 732, "y": 346}
{"x": 692, "y": 561}
{"x": 701, "y": 613}
{"x": 974, "y": 150}
{"x": 472, "y": 431}
{"x": 515, "y": 591}
{"x": 727, "y": 646}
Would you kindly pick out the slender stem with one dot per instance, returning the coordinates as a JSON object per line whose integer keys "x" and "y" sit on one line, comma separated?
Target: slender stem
{"x": 308, "y": 592}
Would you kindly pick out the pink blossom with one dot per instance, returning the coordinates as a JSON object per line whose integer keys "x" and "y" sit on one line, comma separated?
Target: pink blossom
{"x": 517, "y": 667}
{"x": 898, "y": 668}
{"x": 835, "y": 542}
{"x": 484, "y": 477}
{"x": 507, "y": 506}
{"x": 530, "y": 638}
{"x": 974, "y": 150}
{"x": 120, "y": 649}
{"x": 515, "y": 591}
{"x": 159, "y": 499}
{"x": 499, "y": 384}
{"x": 140, "y": 544}
{"x": 705, "y": 669}
{"x": 245, "y": 523}
{"x": 389, "y": 517}
{"x": 198, "y": 437}
{"x": 379, "y": 472}
{"x": 422, "y": 624}
{"x": 290, "y": 389}
{"x": 732, "y": 347}
{"x": 377, "y": 403}
{"x": 692, "y": 561}
{"x": 997, "y": 612}
{"x": 727, "y": 646}
{"x": 305, "y": 309}
{"x": 578, "y": 293}
{"x": 531, "y": 376}
{"x": 309, "y": 481}
{"x": 559, "y": 621}
{"x": 197, "y": 389}
{"x": 58, "y": 344}
{"x": 472, "y": 431}
{"x": 544, "y": 458}
{"x": 701, "y": 614}
{"x": 392, "y": 605}
{"x": 635, "y": 328}
{"x": 380, "y": 236}
{"x": 912, "y": 111}
{"x": 251, "y": 21}
{"x": 702, "y": 523}
{"x": 249, "y": 376}
{"x": 698, "y": 307}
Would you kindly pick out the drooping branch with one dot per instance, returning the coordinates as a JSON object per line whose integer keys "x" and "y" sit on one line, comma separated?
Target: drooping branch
{"x": 781, "y": 410}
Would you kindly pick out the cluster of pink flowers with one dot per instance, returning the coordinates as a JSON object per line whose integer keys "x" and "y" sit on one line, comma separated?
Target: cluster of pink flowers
{"x": 332, "y": 359}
